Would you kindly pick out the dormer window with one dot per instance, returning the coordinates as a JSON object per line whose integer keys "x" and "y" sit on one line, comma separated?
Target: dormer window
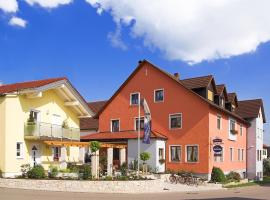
{"x": 210, "y": 95}
{"x": 222, "y": 102}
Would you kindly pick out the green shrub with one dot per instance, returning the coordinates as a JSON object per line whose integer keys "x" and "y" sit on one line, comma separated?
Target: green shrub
{"x": 1, "y": 174}
{"x": 85, "y": 170}
{"x": 108, "y": 178}
{"x": 217, "y": 175}
{"x": 124, "y": 169}
{"x": 53, "y": 172}
{"x": 266, "y": 167}
{"x": 233, "y": 176}
{"x": 73, "y": 168}
{"x": 37, "y": 172}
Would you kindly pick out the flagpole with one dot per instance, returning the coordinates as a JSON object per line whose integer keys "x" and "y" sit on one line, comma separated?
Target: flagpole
{"x": 138, "y": 126}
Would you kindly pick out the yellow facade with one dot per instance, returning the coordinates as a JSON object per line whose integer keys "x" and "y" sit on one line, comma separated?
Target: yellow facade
{"x": 14, "y": 112}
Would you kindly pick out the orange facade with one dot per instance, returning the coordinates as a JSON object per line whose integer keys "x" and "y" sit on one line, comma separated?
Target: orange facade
{"x": 199, "y": 120}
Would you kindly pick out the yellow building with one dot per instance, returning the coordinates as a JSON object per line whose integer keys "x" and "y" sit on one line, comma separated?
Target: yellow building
{"x": 39, "y": 124}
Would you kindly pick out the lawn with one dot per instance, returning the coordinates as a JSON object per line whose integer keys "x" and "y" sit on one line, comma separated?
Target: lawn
{"x": 266, "y": 181}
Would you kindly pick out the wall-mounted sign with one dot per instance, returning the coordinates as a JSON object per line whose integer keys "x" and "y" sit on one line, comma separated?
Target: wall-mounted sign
{"x": 217, "y": 140}
{"x": 217, "y": 149}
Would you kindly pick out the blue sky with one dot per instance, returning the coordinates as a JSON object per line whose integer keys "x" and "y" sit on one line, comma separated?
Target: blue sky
{"x": 73, "y": 41}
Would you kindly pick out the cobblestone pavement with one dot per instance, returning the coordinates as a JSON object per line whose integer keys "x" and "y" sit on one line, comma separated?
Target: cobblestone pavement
{"x": 252, "y": 192}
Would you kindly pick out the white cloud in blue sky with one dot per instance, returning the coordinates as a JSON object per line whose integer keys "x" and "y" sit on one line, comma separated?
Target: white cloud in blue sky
{"x": 193, "y": 30}
{"x": 9, "y": 6}
{"x": 49, "y": 3}
{"x": 16, "y": 21}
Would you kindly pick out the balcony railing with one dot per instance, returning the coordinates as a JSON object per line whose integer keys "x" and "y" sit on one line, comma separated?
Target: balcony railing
{"x": 46, "y": 131}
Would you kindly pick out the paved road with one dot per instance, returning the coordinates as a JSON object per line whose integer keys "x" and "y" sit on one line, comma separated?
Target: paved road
{"x": 253, "y": 192}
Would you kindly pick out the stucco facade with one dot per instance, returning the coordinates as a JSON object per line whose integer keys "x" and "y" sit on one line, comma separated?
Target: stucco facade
{"x": 20, "y": 145}
{"x": 198, "y": 128}
{"x": 255, "y": 148}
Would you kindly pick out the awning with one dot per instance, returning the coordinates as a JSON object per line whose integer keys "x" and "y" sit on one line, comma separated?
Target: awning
{"x": 83, "y": 144}
{"x": 120, "y": 135}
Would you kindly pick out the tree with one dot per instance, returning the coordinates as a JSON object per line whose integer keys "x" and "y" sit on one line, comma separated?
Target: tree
{"x": 144, "y": 156}
{"x": 95, "y": 146}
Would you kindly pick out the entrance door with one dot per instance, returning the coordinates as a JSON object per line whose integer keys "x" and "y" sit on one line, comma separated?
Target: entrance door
{"x": 35, "y": 155}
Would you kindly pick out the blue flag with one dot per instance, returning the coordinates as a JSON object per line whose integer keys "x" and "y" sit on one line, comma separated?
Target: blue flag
{"x": 147, "y": 123}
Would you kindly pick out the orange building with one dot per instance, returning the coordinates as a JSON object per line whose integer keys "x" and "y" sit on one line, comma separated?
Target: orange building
{"x": 194, "y": 125}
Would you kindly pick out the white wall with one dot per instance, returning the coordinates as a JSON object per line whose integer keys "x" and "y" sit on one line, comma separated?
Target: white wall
{"x": 152, "y": 148}
{"x": 254, "y": 143}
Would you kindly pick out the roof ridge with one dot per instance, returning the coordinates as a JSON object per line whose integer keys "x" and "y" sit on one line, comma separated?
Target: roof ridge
{"x": 209, "y": 75}
{"x": 31, "y": 81}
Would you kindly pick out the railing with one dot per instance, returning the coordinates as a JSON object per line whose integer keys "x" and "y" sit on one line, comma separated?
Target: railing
{"x": 51, "y": 131}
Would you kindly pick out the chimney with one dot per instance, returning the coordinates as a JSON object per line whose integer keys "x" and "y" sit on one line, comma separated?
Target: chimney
{"x": 176, "y": 75}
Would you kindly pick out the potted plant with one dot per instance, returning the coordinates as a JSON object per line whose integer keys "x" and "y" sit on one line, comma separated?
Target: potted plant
{"x": 144, "y": 156}
{"x": 233, "y": 131}
{"x": 95, "y": 146}
{"x": 162, "y": 161}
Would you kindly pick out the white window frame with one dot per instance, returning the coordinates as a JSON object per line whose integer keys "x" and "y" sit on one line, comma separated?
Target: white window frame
{"x": 232, "y": 137}
{"x": 186, "y": 152}
{"x": 241, "y": 130}
{"x": 242, "y": 154}
{"x": 21, "y": 150}
{"x": 219, "y": 117}
{"x": 155, "y": 95}
{"x": 135, "y": 119}
{"x": 38, "y": 114}
{"x": 239, "y": 155}
{"x": 231, "y": 154}
{"x": 170, "y": 156}
{"x": 170, "y": 128}
{"x": 130, "y": 98}
{"x": 111, "y": 124}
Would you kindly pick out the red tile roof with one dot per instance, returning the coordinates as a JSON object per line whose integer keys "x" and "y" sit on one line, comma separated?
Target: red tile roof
{"x": 9, "y": 88}
{"x": 231, "y": 96}
{"x": 197, "y": 82}
{"x": 120, "y": 135}
{"x": 92, "y": 123}
{"x": 249, "y": 109}
{"x": 220, "y": 89}
{"x": 96, "y": 106}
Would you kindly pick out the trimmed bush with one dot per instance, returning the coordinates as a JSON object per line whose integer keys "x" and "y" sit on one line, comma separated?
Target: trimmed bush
{"x": 1, "y": 174}
{"x": 233, "y": 176}
{"x": 217, "y": 175}
{"x": 37, "y": 172}
{"x": 53, "y": 172}
{"x": 85, "y": 170}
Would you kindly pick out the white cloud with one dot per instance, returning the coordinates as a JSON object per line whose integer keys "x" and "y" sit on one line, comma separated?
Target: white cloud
{"x": 193, "y": 30}
{"x": 9, "y": 6}
{"x": 49, "y": 3}
{"x": 16, "y": 21}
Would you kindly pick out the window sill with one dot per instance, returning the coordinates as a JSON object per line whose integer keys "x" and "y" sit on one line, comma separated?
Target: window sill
{"x": 192, "y": 162}
{"x": 175, "y": 129}
{"x": 19, "y": 158}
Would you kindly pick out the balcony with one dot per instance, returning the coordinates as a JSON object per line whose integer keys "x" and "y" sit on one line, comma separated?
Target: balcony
{"x": 47, "y": 131}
